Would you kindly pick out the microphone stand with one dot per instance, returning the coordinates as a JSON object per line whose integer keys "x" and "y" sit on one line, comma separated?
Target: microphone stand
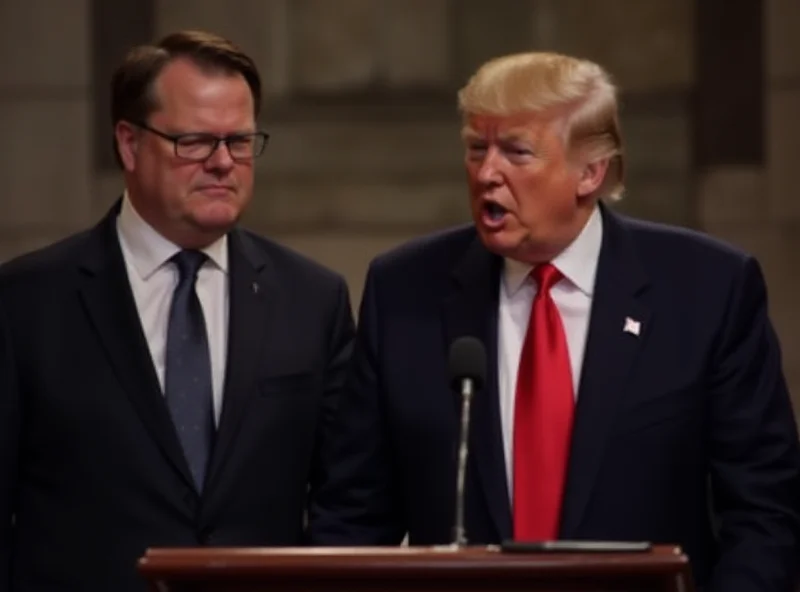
{"x": 459, "y": 532}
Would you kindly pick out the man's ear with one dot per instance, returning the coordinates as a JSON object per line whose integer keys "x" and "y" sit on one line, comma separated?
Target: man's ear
{"x": 592, "y": 176}
{"x": 127, "y": 141}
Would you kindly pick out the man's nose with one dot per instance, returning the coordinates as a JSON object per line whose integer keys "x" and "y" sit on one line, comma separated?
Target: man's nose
{"x": 221, "y": 157}
{"x": 488, "y": 171}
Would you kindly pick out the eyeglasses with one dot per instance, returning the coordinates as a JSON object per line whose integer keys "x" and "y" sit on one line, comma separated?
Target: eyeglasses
{"x": 198, "y": 147}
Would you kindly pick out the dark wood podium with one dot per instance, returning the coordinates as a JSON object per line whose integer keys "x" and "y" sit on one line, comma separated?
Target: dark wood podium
{"x": 427, "y": 569}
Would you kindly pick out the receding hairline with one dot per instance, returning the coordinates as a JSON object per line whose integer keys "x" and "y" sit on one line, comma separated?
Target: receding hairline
{"x": 205, "y": 67}
{"x": 144, "y": 65}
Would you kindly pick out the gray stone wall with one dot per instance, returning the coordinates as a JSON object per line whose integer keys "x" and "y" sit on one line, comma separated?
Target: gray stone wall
{"x": 361, "y": 106}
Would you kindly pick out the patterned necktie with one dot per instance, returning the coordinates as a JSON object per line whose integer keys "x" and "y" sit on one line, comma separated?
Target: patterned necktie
{"x": 187, "y": 381}
{"x": 543, "y": 413}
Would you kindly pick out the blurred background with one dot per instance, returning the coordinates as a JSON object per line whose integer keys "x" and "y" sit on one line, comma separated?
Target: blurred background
{"x": 360, "y": 104}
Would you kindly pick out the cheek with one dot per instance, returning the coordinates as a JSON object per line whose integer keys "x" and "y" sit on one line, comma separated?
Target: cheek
{"x": 244, "y": 178}
{"x": 158, "y": 170}
{"x": 244, "y": 173}
{"x": 527, "y": 188}
{"x": 152, "y": 174}
{"x": 546, "y": 189}
{"x": 185, "y": 178}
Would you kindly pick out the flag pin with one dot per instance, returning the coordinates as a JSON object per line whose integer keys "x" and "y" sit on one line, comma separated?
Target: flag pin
{"x": 632, "y": 326}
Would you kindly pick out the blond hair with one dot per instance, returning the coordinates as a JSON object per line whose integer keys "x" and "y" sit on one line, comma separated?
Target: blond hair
{"x": 577, "y": 90}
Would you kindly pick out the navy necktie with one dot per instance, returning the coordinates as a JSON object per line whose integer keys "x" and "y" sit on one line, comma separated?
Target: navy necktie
{"x": 187, "y": 381}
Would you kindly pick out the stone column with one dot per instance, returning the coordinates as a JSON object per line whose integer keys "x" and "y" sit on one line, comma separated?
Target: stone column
{"x": 45, "y": 105}
{"x": 782, "y": 98}
{"x": 746, "y": 148}
{"x": 116, "y": 28}
{"x": 728, "y": 149}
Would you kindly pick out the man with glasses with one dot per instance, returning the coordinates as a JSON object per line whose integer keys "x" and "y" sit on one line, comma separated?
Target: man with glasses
{"x": 164, "y": 376}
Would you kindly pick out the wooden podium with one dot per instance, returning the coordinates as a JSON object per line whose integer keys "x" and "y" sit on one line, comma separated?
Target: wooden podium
{"x": 427, "y": 569}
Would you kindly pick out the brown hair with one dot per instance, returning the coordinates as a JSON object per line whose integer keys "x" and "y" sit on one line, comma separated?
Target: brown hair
{"x": 132, "y": 94}
{"x": 543, "y": 82}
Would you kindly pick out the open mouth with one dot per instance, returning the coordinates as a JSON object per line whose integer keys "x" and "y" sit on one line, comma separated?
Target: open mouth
{"x": 494, "y": 211}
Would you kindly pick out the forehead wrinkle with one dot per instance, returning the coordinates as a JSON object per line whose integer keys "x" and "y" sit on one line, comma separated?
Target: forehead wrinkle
{"x": 516, "y": 133}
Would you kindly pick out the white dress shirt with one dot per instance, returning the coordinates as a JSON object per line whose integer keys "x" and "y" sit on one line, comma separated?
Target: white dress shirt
{"x": 153, "y": 280}
{"x": 573, "y": 298}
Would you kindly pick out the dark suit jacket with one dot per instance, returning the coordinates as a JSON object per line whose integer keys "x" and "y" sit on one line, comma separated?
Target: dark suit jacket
{"x": 692, "y": 412}
{"x": 90, "y": 464}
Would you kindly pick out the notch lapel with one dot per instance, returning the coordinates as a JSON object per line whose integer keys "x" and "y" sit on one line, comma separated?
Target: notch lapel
{"x": 609, "y": 357}
{"x": 470, "y": 308}
{"x": 253, "y": 297}
{"x": 108, "y": 301}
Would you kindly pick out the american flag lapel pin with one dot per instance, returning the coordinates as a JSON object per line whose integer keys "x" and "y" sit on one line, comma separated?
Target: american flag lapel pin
{"x": 632, "y": 326}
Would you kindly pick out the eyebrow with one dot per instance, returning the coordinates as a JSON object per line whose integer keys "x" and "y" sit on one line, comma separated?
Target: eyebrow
{"x": 225, "y": 135}
{"x": 512, "y": 135}
{"x": 468, "y": 133}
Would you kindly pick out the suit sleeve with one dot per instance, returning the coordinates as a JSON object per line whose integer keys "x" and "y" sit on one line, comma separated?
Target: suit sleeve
{"x": 356, "y": 503}
{"x": 755, "y": 459}
{"x": 9, "y": 448}
{"x": 339, "y": 351}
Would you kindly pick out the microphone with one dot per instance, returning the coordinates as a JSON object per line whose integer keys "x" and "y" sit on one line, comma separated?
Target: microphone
{"x": 467, "y": 367}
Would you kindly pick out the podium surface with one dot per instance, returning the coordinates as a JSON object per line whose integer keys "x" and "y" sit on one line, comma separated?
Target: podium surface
{"x": 427, "y": 569}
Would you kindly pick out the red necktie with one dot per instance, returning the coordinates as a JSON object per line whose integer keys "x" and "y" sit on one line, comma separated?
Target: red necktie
{"x": 542, "y": 417}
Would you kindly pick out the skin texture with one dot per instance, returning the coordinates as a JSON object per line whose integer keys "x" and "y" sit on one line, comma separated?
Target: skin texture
{"x": 529, "y": 197}
{"x": 190, "y": 203}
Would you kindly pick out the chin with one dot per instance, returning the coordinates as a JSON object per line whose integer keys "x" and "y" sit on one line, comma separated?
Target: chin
{"x": 216, "y": 223}
{"x": 216, "y": 217}
{"x": 500, "y": 243}
{"x": 219, "y": 208}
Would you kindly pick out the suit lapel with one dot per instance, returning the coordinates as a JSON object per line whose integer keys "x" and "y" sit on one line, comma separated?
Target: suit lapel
{"x": 470, "y": 308}
{"x": 610, "y": 354}
{"x": 253, "y": 296}
{"x": 109, "y": 304}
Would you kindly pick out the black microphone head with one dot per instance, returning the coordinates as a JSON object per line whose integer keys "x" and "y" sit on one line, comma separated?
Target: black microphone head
{"x": 467, "y": 360}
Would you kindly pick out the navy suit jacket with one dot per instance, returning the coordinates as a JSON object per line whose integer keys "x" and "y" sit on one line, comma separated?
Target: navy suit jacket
{"x": 91, "y": 467}
{"x": 689, "y": 416}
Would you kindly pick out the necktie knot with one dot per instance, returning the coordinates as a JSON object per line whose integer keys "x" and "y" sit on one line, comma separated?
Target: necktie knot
{"x": 189, "y": 263}
{"x": 546, "y": 276}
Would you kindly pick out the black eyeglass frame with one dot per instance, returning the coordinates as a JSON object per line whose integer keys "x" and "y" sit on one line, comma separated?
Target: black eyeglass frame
{"x": 260, "y": 139}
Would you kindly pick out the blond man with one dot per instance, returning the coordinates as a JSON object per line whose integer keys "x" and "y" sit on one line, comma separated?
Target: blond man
{"x": 633, "y": 377}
